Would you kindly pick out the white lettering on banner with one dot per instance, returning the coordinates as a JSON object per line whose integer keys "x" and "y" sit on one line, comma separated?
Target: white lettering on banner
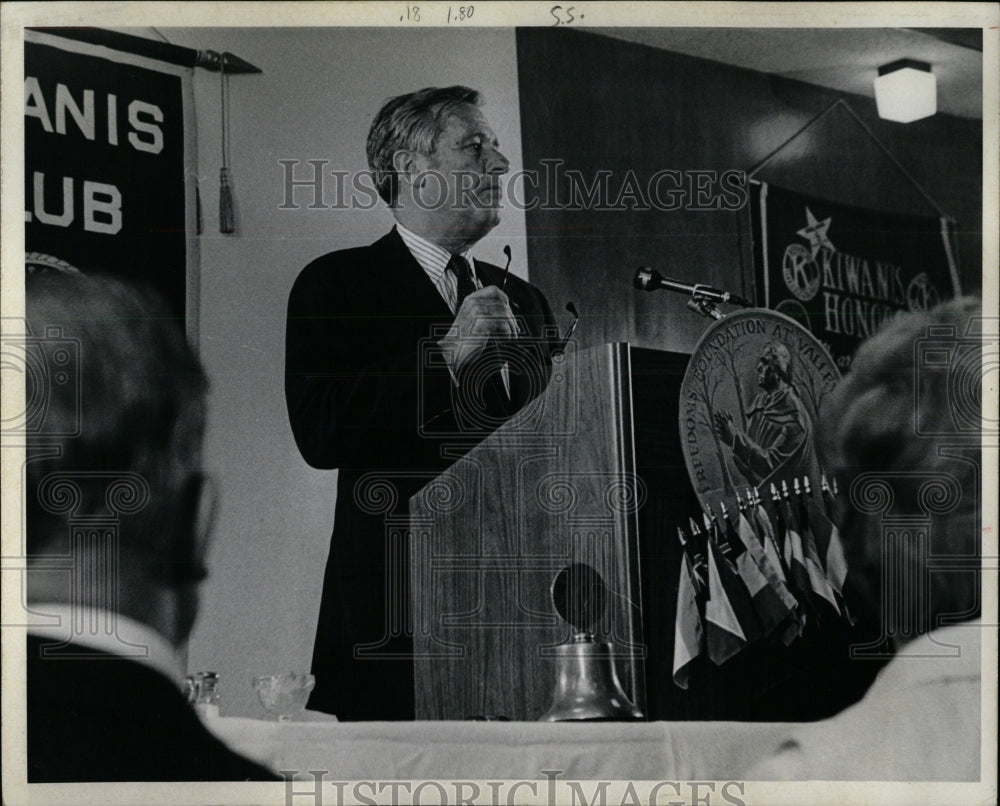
{"x": 112, "y": 119}
{"x": 851, "y": 316}
{"x": 65, "y": 218}
{"x": 858, "y": 295}
{"x": 844, "y": 273}
{"x": 84, "y": 117}
{"x": 145, "y": 135}
{"x": 34, "y": 103}
{"x": 111, "y": 207}
{"x": 102, "y": 205}
{"x": 136, "y": 108}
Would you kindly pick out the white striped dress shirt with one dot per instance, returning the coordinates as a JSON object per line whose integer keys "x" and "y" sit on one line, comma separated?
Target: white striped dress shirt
{"x": 434, "y": 261}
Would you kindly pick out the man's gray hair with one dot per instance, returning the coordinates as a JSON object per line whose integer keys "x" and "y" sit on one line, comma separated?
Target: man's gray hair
{"x": 411, "y": 122}
{"x": 134, "y": 397}
{"x": 870, "y": 426}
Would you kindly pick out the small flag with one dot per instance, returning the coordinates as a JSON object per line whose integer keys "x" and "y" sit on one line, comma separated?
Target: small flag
{"x": 736, "y": 589}
{"x": 726, "y": 550}
{"x": 727, "y": 531}
{"x": 697, "y": 561}
{"x": 828, "y": 496}
{"x": 804, "y": 553}
{"x": 723, "y": 635}
{"x": 836, "y": 562}
{"x": 828, "y": 545}
{"x": 767, "y": 537}
{"x": 771, "y": 570}
{"x": 776, "y": 561}
{"x": 829, "y": 542}
{"x": 794, "y": 556}
{"x": 689, "y": 636}
{"x": 782, "y": 537}
{"x": 826, "y": 535}
{"x": 730, "y": 622}
{"x": 772, "y": 601}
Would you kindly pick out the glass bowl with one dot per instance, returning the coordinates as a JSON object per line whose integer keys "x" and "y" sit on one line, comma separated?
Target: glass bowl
{"x": 284, "y": 694}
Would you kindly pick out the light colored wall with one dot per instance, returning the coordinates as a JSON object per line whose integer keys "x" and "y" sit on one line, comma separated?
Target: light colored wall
{"x": 315, "y": 99}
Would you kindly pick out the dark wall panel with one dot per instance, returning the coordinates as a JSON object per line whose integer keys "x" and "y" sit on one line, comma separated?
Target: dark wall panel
{"x": 597, "y": 103}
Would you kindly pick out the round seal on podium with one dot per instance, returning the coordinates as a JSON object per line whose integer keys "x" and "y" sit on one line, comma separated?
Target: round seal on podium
{"x": 750, "y": 404}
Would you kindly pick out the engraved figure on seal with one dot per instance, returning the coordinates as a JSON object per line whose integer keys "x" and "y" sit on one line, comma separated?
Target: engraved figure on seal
{"x": 778, "y": 431}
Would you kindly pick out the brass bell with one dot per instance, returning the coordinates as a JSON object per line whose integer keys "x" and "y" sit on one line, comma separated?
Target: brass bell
{"x": 587, "y": 685}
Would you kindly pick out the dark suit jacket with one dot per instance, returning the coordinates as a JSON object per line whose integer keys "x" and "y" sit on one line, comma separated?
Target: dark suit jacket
{"x": 105, "y": 718}
{"x": 368, "y": 393}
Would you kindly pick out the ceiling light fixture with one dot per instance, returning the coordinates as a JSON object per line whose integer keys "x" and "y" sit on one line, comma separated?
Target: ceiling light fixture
{"x": 905, "y": 90}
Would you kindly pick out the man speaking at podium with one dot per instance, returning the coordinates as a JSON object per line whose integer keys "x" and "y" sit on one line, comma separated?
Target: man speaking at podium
{"x": 395, "y": 351}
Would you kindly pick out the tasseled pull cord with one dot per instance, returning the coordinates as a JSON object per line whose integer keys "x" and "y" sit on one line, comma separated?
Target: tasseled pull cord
{"x": 227, "y": 217}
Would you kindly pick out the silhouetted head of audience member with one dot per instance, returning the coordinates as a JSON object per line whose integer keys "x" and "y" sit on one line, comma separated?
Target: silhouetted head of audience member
{"x": 900, "y": 436}
{"x": 115, "y": 416}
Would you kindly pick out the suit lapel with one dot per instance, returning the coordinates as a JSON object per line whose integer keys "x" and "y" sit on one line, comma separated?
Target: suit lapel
{"x": 415, "y": 296}
{"x": 487, "y": 274}
{"x": 410, "y": 284}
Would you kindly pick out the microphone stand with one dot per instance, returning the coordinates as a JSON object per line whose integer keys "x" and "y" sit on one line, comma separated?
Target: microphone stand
{"x": 704, "y": 299}
{"x": 700, "y": 303}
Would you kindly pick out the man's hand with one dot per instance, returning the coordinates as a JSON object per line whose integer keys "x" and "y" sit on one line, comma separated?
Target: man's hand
{"x": 724, "y": 427}
{"x": 484, "y": 317}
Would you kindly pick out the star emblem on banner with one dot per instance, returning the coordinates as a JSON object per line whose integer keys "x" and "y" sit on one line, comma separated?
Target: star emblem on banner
{"x": 815, "y": 233}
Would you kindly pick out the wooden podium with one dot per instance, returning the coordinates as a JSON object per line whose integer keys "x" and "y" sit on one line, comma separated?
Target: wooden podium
{"x": 590, "y": 472}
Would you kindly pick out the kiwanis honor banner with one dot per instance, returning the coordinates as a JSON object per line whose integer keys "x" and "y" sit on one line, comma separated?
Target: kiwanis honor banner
{"x": 106, "y": 161}
{"x": 840, "y": 271}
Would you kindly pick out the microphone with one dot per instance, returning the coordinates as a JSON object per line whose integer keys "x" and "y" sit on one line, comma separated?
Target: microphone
{"x": 505, "y": 367}
{"x": 561, "y": 347}
{"x": 647, "y": 279}
{"x": 506, "y": 271}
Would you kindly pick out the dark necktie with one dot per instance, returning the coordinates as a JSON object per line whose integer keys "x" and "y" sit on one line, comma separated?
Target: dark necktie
{"x": 459, "y": 266}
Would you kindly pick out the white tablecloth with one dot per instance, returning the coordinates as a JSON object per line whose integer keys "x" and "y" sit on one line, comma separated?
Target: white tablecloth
{"x": 505, "y": 750}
